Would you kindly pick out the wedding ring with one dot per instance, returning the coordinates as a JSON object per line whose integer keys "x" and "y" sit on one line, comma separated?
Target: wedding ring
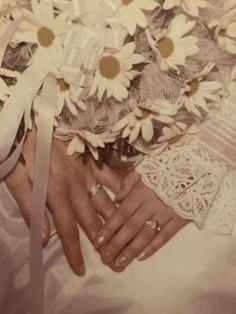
{"x": 153, "y": 224}
{"x": 94, "y": 190}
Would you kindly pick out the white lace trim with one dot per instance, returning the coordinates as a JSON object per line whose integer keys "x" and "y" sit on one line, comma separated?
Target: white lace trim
{"x": 221, "y": 217}
{"x": 186, "y": 178}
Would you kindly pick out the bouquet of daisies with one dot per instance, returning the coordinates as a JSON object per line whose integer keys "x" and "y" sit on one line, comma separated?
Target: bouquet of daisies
{"x": 135, "y": 75}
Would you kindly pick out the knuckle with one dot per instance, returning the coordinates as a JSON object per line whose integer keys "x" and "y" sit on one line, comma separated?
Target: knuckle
{"x": 107, "y": 204}
{"x": 151, "y": 248}
{"x": 123, "y": 213}
{"x": 115, "y": 245}
{"x": 107, "y": 230}
{"x": 133, "y": 225}
{"x": 70, "y": 236}
{"x": 131, "y": 252}
{"x": 147, "y": 234}
{"x": 167, "y": 234}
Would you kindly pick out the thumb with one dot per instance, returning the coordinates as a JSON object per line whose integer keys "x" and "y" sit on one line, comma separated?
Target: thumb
{"x": 126, "y": 186}
{"x": 21, "y": 188}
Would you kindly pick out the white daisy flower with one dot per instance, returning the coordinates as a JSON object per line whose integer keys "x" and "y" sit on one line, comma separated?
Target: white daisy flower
{"x": 173, "y": 45}
{"x": 64, "y": 98}
{"x": 79, "y": 140}
{"x": 4, "y": 24}
{"x": 42, "y": 28}
{"x": 177, "y": 134}
{"x": 189, "y": 6}
{"x": 225, "y": 31}
{"x": 199, "y": 92}
{"x": 115, "y": 71}
{"x": 170, "y": 134}
{"x": 131, "y": 13}
{"x": 141, "y": 119}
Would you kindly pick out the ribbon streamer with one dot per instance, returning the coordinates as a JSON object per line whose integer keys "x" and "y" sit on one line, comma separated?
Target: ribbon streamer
{"x": 6, "y": 37}
{"x": 18, "y": 104}
{"x": 95, "y": 30}
{"x": 41, "y": 174}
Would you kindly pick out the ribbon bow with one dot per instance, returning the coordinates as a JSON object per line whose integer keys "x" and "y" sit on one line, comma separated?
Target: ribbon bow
{"x": 94, "y": 30}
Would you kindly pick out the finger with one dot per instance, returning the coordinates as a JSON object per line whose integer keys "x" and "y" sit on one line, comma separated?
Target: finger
{"x": 103, "y": 204}
{"x": 133, "y": 249}
{"x": 116, "y": 269}
{"x": 126, "y": 186}
{"x": 68, "y": 232}
{"x": 86, "y": 214}
{"x": 118, "y": 219}
{"x": 127, "y": 233}
{"x": 168, "y": 231}
{"x": 20, "y": 186}
{"x": 107, "y": 177}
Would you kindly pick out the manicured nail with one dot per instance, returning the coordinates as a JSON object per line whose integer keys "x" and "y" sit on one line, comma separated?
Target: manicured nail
{"x": 81, "y": 270}
{"x": 107, "y": 257}
{"x": 100, "y": 241}
{"x": 141, "y": 256}
{"x": 121, "y": 261}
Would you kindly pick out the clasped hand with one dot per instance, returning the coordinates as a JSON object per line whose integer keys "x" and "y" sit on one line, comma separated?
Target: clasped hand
{"x": 118, "y": 233}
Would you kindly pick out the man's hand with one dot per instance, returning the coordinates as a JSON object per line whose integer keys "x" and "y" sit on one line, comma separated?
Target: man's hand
{"x": 67, "y": 196}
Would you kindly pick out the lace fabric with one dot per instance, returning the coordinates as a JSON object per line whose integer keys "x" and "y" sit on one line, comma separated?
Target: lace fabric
{"x": 196, "y": 179}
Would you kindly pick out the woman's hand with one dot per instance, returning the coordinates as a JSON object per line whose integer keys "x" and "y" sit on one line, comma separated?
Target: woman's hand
{"x": 125, "y": 236}
{"x": 67, "y": 197}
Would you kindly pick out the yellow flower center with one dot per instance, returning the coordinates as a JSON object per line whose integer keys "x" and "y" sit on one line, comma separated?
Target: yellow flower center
{"x": 166, "y": 47}
{"x": 194, "y": 87}
{"x": 222, "y": 32}
{"x": 45, "y": 37}
{"x": 109, "y": 67}
{"x": 63, "y": 85}
{"x": 126, "y": 2}
{"x": 145, "y": 114}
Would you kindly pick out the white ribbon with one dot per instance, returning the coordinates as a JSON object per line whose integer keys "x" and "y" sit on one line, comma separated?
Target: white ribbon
{"x": 95, "y": 30}
{"x": 19, "y": 104}
{"x": 41, "y": 175}
{"x": 6, "y": 37}
{"x": 99, "y": 9}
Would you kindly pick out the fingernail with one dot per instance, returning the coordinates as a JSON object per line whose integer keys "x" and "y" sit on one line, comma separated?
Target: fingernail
{"x": 107, "y": 257}
{"x": 141, "y": 256}
{"x": 121, "y": 261}
{"x": 100, "y": 241}
{"x": 81, "y": 270}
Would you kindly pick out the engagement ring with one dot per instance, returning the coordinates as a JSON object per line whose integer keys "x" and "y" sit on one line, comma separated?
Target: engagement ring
{"x": 94, "y": 190}
{"x": 153, "y": 224}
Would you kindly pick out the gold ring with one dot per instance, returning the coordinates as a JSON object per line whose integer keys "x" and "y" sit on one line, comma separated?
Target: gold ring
{"x": 153, "y": 224}
{"x": 94, "y": 190}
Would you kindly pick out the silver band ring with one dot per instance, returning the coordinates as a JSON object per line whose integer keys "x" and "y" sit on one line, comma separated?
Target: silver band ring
{"x": 94, "y": 190}
{"x": 153, "y": 224}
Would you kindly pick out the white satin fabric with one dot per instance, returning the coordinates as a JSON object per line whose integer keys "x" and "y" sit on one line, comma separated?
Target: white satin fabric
{"x": 194, "y": 273}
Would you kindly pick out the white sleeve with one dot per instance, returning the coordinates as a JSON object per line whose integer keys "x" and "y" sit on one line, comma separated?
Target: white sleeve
{"x": 189, "y": 177}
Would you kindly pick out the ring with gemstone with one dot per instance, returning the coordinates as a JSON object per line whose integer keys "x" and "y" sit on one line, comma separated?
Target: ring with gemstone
{"x": 153, "y": 224}
{"x": 94, "y": 190}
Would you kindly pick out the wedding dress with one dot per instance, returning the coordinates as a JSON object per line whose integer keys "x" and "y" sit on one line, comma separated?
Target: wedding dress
{"x": 195, "y": 271}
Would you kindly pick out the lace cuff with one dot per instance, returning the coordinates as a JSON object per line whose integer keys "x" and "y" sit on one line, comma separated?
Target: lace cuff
{"x": 189, "y": 177}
